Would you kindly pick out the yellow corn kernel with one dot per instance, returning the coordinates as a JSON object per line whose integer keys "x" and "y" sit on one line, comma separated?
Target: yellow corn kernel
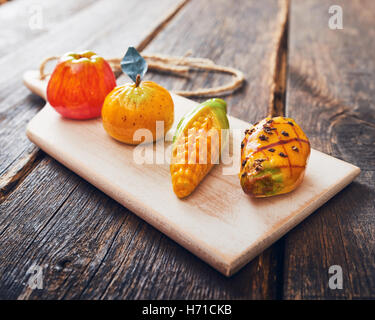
{"x": 197, "y": 145}
{"x": 187, "y": 167}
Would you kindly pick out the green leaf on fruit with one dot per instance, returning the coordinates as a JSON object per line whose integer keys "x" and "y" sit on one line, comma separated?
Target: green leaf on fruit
{"x": 133, "y": 64}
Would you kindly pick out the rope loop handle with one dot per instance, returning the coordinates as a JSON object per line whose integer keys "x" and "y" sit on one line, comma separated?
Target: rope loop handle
{"x": 179, "y": 66}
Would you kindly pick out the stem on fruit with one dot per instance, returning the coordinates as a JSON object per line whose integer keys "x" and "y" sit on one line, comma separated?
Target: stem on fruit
{"x": 137, "y": 80}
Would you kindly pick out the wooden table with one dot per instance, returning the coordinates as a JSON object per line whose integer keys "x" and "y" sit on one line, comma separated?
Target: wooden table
{"x": 90, "y": 247}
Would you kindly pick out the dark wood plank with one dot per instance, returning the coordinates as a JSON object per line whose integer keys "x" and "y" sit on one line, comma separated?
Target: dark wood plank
{"x": 330, "y": 93}
{"x": 106, "y": 27}
{"x": 92, "y": 247}
{"x": 19, "y": 20}
{"x": 244, "y": 35}
{"x": 218, "y": 36}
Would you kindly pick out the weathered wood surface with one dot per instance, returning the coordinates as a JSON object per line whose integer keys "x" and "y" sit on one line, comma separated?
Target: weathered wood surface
{"x": 239, "y": 231}
{"x": 331, "y": 94}
{"x": 121, "y": 256}
{"x": 23, "y": 20}
{"x": 93, "y": 27}
{"x": 92, "y": 247}
{"x": 45, "y": 218}
{"x": 244, "y": 36}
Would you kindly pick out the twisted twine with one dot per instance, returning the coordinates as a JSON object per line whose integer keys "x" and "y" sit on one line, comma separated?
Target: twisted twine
{"x": 179, "y": 66}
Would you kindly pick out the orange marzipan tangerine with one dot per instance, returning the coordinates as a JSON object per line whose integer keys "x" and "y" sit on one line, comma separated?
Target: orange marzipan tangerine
{"x": 135, "y": 106}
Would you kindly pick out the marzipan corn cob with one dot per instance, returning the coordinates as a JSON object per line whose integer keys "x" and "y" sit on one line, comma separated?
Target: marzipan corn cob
{"x": 274, "y": 154}
{"x": 197, "y": 145}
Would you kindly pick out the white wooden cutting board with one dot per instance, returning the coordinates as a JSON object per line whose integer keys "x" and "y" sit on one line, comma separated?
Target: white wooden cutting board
{"x": 218, "y": 222}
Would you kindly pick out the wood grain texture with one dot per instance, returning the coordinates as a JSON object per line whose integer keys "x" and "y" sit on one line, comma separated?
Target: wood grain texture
{"x": 22, "y": 21}
{"x": 331, "y": 94}
{"x": 121, "y": 257}
{"x": 244, "y": 35}
{"x": 94, "y": 130}
{"x": 278, "y": 95}
{"x": 99, "y": 31}
{"x": 225, "y": 229}
{"x": 184, "y": 275}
